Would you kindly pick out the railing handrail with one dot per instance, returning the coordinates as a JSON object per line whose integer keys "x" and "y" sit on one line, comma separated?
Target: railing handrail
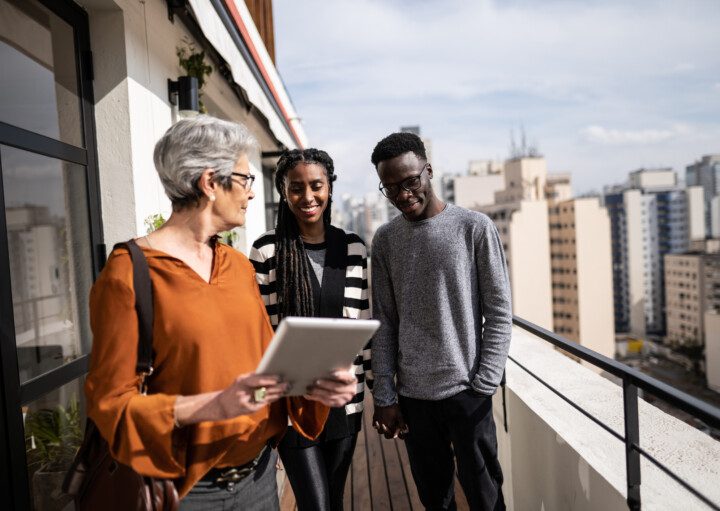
{"x": 685, "y": 402}
{"x": 632, "y": 380}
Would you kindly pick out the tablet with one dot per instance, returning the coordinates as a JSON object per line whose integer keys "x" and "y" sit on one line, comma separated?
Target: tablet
{"x": 305, "y": 349}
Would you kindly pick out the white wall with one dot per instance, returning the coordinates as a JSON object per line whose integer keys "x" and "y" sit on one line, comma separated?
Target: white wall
{"x": 695, "y": 213}
{"x": 635, "y": 260}
{"x": 712, "y": 349}
{"x": 553, "y": 457}
{"x": 594, "y": 276}
{"x": 134, "y": 54}
{"x": 529, "y": 263}
{"x": 474, "y": 191}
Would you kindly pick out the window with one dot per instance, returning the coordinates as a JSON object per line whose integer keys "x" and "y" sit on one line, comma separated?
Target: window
{"x": 50, "y": 235}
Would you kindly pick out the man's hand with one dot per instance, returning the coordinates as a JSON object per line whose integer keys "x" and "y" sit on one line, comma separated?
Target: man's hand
{"x": 388, "y": 421}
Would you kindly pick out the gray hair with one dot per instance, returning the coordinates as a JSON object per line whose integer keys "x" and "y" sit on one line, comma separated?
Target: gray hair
{"x": 193, "y": 145}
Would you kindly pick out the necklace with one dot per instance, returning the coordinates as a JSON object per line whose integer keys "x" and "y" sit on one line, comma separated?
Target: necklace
{"x": 148, "y": 242}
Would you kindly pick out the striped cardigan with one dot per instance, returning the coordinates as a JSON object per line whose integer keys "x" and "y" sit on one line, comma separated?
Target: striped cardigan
{"x": 356, "y": 304}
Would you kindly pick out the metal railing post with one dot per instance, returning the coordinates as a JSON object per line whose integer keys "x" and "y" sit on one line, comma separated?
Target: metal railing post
{"x": 632, "y": 438}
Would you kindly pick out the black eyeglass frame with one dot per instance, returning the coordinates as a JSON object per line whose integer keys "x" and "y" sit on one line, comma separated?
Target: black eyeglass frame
{"x": 249, "y": 179}
{"x": 409, "y": 184}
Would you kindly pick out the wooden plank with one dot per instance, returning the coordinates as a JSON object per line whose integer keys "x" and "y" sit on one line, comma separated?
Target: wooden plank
{"x": 361, "y": 499}
{"x": 415, "y": 503}
{"x": 396, "y": 482}
{"x": 378, "y": 477}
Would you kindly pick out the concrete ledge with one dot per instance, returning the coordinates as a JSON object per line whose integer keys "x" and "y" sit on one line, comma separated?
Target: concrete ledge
{"x": 556, "y": 458}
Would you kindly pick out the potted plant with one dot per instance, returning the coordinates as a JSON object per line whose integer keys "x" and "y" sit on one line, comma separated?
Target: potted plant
{"x": 193, "y": 62}
{"x": 52, "y": 438}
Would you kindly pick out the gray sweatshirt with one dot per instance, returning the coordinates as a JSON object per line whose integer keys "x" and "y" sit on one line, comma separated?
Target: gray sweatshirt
{"x": 433, "y": 282}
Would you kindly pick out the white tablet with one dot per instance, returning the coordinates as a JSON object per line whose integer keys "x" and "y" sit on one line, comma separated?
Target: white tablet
{"x": 305, "y": 349}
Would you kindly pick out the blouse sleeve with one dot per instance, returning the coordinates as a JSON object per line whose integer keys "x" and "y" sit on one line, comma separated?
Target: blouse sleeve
{"x": 138, "y": 428}
{"x": 307, "y": 417}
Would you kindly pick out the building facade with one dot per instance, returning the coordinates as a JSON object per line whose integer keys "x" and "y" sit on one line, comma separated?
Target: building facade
{"x": 650, "y": 217}
{"x": 85, "y": 96}
{"x": 705, "y": 173}
{"x": 558, "y": 253}
{"x": 581, "y": 268}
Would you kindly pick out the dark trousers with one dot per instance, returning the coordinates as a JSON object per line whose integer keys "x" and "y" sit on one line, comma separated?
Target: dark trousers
{"x": 459, "y": 428}
{"x": 317, "y": 473}
{"x": 257, "y": 492}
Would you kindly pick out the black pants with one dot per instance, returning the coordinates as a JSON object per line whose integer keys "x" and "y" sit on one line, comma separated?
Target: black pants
{"x": 462, "y": 424}
{"x": 317, "y": 473}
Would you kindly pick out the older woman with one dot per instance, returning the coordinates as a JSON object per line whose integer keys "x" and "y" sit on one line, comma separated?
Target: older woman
{"x": 200, "y": 419}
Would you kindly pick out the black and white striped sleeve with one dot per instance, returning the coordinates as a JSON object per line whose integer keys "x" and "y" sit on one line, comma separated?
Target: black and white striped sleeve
{"x": 262, "y": 256}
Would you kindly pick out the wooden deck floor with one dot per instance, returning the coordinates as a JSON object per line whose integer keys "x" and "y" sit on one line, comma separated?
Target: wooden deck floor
{"x": 380, "y": 477}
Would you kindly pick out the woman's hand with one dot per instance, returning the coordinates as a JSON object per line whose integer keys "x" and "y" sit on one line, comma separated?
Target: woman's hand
{"x": 335, "y": 390}
{"x": 246, "y": 395}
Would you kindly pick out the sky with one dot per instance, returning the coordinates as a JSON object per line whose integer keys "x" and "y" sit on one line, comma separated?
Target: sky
{"x": 601, "y": 87}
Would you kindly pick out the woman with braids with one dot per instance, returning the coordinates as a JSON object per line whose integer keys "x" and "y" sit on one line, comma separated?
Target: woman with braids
{"x": 307, "y": 267}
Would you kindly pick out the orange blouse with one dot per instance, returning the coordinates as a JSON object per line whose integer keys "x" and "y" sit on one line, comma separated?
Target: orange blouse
{"x": 205, "y": 335}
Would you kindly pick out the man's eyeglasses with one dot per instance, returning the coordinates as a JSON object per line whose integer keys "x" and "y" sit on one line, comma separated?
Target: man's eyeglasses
{"x": 248, "y": 179}
{"x": 410, "y": 184}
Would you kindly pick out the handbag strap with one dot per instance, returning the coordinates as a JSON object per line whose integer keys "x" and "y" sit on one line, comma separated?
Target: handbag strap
{"x": 143, "y": 306}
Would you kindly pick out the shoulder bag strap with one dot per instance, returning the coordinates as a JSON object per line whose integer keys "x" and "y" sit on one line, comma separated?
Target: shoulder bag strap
{"x": 143, "y": 306}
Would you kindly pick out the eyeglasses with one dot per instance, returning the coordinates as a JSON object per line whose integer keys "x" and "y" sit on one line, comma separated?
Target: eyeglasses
{"x": 249, "y": 179}
{"x": 410, "y": 184}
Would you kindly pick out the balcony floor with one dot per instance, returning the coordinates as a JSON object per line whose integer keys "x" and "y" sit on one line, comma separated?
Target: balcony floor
{"x": 379, "y": 478}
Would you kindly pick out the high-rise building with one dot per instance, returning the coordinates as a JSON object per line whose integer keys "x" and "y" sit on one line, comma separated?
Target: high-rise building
{"x": 581, "y": 268}
{"x": 520, "y": 213}
{"x": 558, "y": 253}
{"x": 650, "y": 217}
{"x": 706, "y": 174}
{"x": 477, "y": 188}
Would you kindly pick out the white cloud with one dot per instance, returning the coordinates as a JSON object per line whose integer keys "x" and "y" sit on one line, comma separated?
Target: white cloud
{"x": 605, "y": 136}
{"x": 469, "y": 72}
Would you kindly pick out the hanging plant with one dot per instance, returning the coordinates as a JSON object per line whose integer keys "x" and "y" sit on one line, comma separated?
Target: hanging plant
{"x": 193, "y": 62}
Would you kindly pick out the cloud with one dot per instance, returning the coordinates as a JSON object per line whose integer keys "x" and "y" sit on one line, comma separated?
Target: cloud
{"x": 469, "y": 72}
{"x": 605, "y": 136}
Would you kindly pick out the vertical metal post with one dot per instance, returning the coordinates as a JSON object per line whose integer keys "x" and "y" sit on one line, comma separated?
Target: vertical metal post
{"x": 632, "y": 438}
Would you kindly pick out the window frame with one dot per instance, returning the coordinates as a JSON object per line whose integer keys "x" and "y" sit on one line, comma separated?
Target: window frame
{"x": 14, "y": 483}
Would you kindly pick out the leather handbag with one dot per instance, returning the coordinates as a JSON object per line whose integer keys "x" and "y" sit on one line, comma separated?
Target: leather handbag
{"x": 97, "y": 481}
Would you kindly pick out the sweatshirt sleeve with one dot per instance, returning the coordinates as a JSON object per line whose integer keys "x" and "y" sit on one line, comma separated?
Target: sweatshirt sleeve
{"x": 496, "y": 307}
{"x": 385, "y": 341}
{"x": 138, "y": 428}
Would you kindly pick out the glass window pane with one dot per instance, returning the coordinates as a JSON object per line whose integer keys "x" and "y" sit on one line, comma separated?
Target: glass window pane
{"x": 54, "y": 427}
{"x": 50, "y": 258}
{"x": 39, "y": 80}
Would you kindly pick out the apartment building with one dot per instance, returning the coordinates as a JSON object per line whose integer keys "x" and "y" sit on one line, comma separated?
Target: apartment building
{"x": 558, "y": 253}
{"x": 581, "y": 268}
{"x": 477, "y": 187}
{"x": 650, "y": 216}
{"x": 520, "y": 213}
{"x": 705, "y": 173}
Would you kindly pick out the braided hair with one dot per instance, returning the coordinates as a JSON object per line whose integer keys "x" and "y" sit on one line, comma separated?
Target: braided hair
{"x": 295, "y": 297}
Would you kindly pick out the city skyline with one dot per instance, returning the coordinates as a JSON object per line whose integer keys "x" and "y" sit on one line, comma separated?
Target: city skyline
{"x": 601, "y": 88}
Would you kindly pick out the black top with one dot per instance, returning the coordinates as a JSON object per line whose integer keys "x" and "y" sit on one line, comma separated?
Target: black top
{"x": 328, "y": 299}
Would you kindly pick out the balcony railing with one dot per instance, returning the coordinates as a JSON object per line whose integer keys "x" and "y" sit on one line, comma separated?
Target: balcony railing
{"x": 632, "y": 380}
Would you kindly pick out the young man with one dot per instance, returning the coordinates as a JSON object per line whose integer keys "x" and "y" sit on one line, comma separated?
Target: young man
{"x": 438, "y": 271}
